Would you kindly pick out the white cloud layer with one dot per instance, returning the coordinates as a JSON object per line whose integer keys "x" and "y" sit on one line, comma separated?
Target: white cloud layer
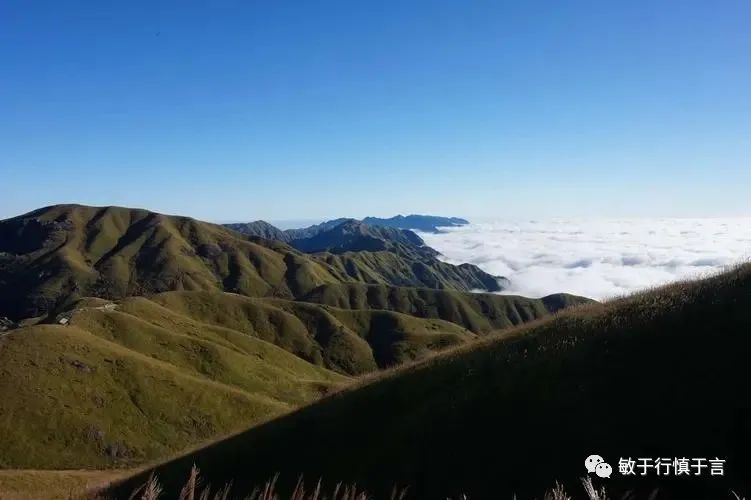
{"x": 598, "y": 258}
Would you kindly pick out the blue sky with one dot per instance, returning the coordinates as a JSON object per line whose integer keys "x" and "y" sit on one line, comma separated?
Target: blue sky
{"x": 281, "y": 109}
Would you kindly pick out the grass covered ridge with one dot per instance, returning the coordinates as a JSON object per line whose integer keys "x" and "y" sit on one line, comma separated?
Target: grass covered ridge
{"x": 137, "y": 383}
{"x": 478, "y": 312}
{"x": 659, "y": 374}
{"x": 347, "y": 341}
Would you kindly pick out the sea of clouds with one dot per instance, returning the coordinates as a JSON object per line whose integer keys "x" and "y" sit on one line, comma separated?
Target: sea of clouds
{"x": 597, "y": 258}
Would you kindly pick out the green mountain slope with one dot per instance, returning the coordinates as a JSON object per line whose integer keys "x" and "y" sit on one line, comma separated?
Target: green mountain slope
{"x": 123, "y": 382}
{"x": 354, "y": 236}
{"x": 659, "y": 374}
{"x": 347, "y": 341}
{"x": 400, "y": 255}
{"x": 63, "y": 252}
{"x": 398, "y": 269}
{"x": 134, "y": 382}
{"x": 126, "y": 382}
{"x": 478, "y": 312}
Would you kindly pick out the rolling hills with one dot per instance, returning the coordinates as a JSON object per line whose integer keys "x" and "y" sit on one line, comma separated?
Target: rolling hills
{"x": 134, "y": 381}
{"x": 105, "y": 383}
{"x": 348, "y": 341}
{"x": 658, "y": 374}
{"x": 478, "y": 312}
{"x": 54, "y": 255}
{"x": 141, "y": 334}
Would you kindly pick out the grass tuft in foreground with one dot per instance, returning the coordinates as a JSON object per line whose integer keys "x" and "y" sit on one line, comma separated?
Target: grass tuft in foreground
{"x": 195, "y": 490}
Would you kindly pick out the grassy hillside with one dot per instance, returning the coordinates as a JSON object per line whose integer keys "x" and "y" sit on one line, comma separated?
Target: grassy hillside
{"x": 54, "y": 485}
{"x": 347, "y": 341}
{"x": 659, "y": 374}
{"x": 127, "y": 382}
{"x": 398, "y": 269}
{"x": 355, "y": 236}
{"x": 52, "y": 256}
{"x": 67, "y": 251}
{"x": 131, "y": 384}
{"x": 478, "y": 312}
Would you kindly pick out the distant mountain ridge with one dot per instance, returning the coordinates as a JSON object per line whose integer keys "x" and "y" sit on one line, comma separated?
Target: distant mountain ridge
{"x": 262, "y": 229}
{"x": 354, "y": 236}
{"x": 348, "y": 236}
{"x": 425, "y": 223}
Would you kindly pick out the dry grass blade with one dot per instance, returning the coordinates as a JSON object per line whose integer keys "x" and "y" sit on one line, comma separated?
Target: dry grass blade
{"x": 299, "y": 492}
{"x": 592, "y": 493}
{"x": 557, "y": 493}
{"x": 317, "y": 491}
{"x": 398, "y": 493}
{"x": 188, "y": 491}
{"x": 253, "y": 494}
{"x": 152, "y": 489}
{"x": 223, "y": 494}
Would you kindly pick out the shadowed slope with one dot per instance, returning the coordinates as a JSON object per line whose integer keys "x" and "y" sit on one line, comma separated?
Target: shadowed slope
{"x": 659, "y": 374}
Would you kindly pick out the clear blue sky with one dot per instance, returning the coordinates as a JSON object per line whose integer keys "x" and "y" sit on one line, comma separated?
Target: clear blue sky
{"x": 313, "y": 109}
